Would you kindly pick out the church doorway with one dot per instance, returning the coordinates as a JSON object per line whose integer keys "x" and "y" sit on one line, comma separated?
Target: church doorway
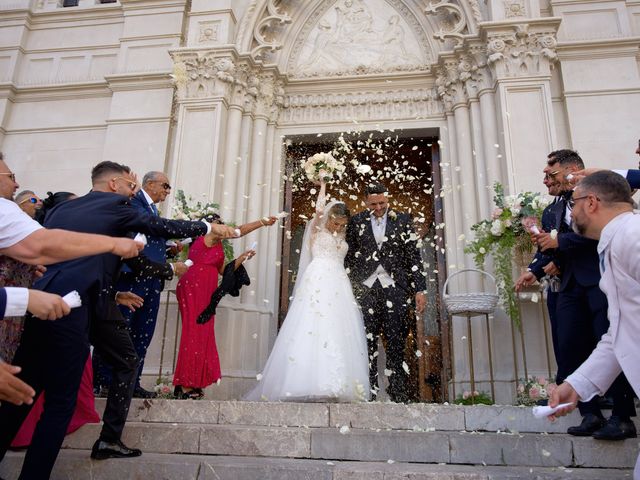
{"x": 407, "y": 163}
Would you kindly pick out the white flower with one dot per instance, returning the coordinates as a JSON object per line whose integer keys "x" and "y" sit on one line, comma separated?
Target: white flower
{"x": 497, "y": 228}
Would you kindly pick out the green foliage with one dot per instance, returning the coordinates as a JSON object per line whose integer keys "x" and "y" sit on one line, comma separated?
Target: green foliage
{"x": 503, "y": 233}
{"x": 473, "y": 398}
{"x": 185, "y": 209}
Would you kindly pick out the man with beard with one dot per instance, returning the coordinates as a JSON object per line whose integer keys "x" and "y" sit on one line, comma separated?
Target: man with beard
{"x": 603, "y": 211}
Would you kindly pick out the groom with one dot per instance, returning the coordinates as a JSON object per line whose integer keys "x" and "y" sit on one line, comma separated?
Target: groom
{"x": 384, "y": 266}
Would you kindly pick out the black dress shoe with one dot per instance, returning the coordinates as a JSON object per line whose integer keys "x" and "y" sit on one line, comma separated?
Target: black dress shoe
{"x": 590, "y": 423}
{"x": 616, "y": 429}
{"x": 102, "y": 450}
{"x": 140, "y": 392}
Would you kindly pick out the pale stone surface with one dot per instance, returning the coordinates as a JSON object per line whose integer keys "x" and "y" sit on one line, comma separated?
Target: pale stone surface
{"x": 277, "y": 414}
{"x": 76, "y": 465}
{"x": 514, "y": 419}
{"x": 511, "y": 449}
{"x": 397, "y": 416}
{"x": 588, "y": 452}
{"x": 379, "y": 446}
{"x": 256, "y": 441}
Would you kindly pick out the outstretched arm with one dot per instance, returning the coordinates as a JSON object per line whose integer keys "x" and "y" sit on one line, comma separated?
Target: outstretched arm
{"x": 320, "y": 204}
{"x": 46, "y": 246}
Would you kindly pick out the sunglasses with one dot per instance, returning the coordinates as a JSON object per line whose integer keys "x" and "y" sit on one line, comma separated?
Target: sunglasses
{"x": 12, "y": 176}
{"x": 164, "y": 185}
{"x": 132, "y": 185}
{"x": 30, "y": 200}
{"x": 572, "y": 201}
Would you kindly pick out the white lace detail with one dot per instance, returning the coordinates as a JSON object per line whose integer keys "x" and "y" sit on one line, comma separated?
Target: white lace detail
{"x": 329, "y": 246}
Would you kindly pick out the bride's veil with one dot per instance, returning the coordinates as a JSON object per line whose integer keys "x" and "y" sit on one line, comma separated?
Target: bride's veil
{"x": 314, "y": 225}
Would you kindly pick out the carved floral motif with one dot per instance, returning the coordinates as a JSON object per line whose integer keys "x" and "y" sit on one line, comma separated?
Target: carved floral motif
{"x": 521, "y": 51}
{"x": 514, "y": 8}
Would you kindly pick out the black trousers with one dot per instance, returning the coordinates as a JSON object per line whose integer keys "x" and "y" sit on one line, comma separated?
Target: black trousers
{"x": 582, "y": 320}
{"x": 552, "y": 302}
{"x": 112, "y": 343}
{"x": 390, "y": 320}
{"x": 52, "y": 356}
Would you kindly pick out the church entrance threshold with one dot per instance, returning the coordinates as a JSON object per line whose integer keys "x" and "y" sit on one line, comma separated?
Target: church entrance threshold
{"x": 407, "y": 163}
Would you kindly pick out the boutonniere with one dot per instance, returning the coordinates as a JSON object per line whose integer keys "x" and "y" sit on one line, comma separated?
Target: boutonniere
{"x": 392, "y": 215}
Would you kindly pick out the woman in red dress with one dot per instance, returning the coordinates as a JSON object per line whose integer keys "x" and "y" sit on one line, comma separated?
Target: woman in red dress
{"x": 198, "y": 364}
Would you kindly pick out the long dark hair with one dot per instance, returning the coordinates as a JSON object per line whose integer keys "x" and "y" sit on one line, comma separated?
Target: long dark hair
{"x": 51, "y": 201}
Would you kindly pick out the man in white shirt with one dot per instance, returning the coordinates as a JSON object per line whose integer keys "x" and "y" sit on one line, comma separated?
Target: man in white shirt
{"x": 603, "y": 211}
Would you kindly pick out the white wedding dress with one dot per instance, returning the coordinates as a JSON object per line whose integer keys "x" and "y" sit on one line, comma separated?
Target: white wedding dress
{"x": 320, "y": 353}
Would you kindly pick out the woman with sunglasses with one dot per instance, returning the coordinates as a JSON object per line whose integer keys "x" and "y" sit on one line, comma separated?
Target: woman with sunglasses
{"x": 29, "y": 202}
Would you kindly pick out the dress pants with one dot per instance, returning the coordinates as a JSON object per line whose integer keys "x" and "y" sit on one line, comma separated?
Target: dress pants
{"x": 582, "y": 320}
{"x": 111, "y": 341}
{"x": 552, "y": 302}
{"x": 392, "y": 323}
{"x": 141, "y": 323}
{"x": 52, "y": 356}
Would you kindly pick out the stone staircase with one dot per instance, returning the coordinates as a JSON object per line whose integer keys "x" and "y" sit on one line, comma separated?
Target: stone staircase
{"x": 186, "y": 439}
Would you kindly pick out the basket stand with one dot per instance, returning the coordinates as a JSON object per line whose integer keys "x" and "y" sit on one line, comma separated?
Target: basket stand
{"x": 484, "y": 309}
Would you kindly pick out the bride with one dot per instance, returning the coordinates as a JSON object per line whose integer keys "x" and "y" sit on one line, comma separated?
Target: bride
{"x": 320, "y": 353}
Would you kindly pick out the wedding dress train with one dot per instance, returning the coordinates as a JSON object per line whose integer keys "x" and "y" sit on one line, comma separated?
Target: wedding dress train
{"x": 320, "y": 353}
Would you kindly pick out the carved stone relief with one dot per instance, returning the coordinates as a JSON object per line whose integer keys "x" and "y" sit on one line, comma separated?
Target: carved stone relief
{"x": 355, "y": 37}
{"x": 266, "y": 33}
{"x": 370, "y": 105}
{"x": 451, "y": 19}
{"x": 514, "y": 8}
{"x": 522, "y": 52}
{"x": 352, "y": 37}
{"x": 208, "y": 32}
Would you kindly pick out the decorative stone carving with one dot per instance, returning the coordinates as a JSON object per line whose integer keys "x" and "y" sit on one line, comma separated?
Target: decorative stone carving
{"x": 265, "y": 30}
{"x": 208, "y": 32}
{"x": 451, "y": 18}
{"x": 354, "y": 37}
{"x": 523, "y": 50}
{"x": 202, "y": 75}
{"x": 372, "y": 105}
{"x": 514, "y": 8}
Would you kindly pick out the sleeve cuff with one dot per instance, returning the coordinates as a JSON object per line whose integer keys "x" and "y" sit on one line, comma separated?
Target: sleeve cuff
{"x": 584, "y": 387}
{"x": 208, "y": 225}
{"x": 624, "y": 173}
{"x": 17, "y": 301}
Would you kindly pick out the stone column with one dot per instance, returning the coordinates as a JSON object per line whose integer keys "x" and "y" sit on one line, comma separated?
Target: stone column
{"x": 521, "y": 55}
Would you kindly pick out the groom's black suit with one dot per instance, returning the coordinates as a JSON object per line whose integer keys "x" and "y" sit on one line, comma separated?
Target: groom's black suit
{"x": 53, "y": 354}
{"x": 385, "y": 310}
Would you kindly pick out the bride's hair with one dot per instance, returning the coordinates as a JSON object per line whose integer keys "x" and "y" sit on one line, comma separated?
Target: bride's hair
{"x": 339, "y": 210}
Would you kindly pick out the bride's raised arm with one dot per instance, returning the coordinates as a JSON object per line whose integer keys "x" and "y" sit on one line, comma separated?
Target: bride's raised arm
{"x": 320, "y": 204}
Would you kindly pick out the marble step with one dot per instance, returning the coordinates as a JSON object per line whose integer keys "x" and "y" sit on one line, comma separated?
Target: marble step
{"x": 394, "y": 416}
{"x": 76, "y": 465}
{"x": 370, "y": 445}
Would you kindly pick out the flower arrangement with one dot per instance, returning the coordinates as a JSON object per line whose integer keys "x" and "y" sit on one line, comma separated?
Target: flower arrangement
{"x": 322, "y": 165}
{"x": 164, "y": 388}
{"x": 473, "y": 398}
{"x": 508, "y": 228}
{"x": 184, "y": 209}
{"x": 532, "y": 390}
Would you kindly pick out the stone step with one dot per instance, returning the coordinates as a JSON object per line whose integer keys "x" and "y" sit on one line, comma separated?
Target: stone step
{"x": 76, "y": 465}
{"x": 371, "y": 445}
{"x": 417, "y": 416}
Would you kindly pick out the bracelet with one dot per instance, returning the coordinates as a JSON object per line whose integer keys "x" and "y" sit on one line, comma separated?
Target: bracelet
{"x": 262, "y": 223}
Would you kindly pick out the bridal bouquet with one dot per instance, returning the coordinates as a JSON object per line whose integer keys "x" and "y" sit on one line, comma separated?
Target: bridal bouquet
{"x": 508, "y": 228}
{"x": 322, "y": 166}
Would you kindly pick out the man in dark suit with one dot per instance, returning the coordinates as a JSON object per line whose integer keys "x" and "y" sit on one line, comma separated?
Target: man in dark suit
{"x": 142, "y": 321}
{"x": 385, "y": 269}
{"x": 542, "y": 264}
{"x": 53, "y": 354}
{"x": 582, "y": 309}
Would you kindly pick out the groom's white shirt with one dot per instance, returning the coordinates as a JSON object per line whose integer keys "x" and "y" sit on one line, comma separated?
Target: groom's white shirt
{"x": 379, "y": 227}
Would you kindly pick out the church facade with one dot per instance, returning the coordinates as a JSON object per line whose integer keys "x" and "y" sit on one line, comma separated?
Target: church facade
{"x": 210, "y": 91}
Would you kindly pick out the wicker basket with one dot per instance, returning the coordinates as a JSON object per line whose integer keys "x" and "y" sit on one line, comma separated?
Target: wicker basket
{"x": 474, "y": 303}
